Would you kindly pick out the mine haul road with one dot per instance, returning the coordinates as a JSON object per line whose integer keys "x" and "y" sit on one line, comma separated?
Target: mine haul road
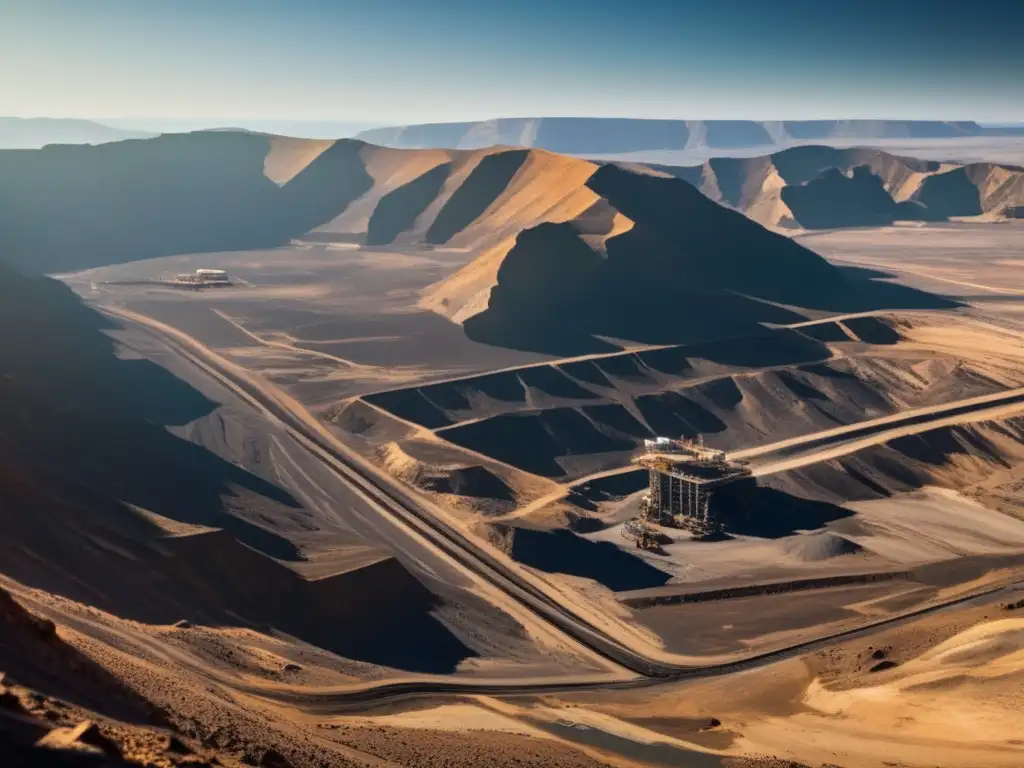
{"x": 834, "y": 443}
{"x": 470, "y": 554}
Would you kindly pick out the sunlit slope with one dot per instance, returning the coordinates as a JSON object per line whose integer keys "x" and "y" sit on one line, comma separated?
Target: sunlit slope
{"x": 69, "y": 207}
{"x": 651, "y": 261}
{"x": 556, "y": 251}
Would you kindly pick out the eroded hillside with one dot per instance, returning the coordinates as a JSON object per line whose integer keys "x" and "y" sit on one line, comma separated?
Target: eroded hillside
{"x": 817, "y": 187}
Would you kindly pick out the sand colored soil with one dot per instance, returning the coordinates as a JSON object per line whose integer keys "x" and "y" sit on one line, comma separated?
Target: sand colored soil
{"x": 208, "y": 577}
{"x": 288, "y": 157}
{"x": 940, "y": 691}
{"x": 571, "y": 419}
{"x": 237, "y": 592}
{"x": 952, "y": 705}
{"x": 481, "y": 487}
{"x": 499, "y": 213}
{"x": 184, "y": 696}
{"x": 200, "y": 585}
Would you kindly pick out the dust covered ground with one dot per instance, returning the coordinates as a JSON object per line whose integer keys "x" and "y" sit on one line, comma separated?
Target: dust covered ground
{"x": 518, "y": 453}
{"x": 940, "y": 691}
{"x": 527, "y": 452}
{"x": 325, "y": 321}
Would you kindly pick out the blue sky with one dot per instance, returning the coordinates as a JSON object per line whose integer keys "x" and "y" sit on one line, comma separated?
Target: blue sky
{"x": 397, "y": 61}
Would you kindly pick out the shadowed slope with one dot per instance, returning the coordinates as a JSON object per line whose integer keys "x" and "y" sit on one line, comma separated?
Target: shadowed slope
{"x": 560, "y": 250}
{"x": 684, "y": 270}
{"x": 69, "y": 207}
{"x": 565, "y": 552}
{"x": 836, "y": 200}
{"x": 100, "y": 503}
{"x": 32, "y": 653}
{"x": 321, "y": 191}
{"x": 87, "y": 424}
{"x": 802, "y": 164}
{"x": 735, "y": 182}
{"x": 77, "y": 414}
{"x": 35, "y": 132}
{"x": 820, "y": 187}
{"x": 287, "y": 157}
{"x": 661, "y": 281}
{"x": 488, "y": 180}
{"x": 715, "y": 243}
{"x": 950, "y": 194}
{"x": 399, "y": 209}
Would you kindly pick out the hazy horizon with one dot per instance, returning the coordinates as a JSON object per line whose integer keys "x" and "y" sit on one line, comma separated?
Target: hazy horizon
{"x": 347, "y": 128}
{"x": 403, "y": 62}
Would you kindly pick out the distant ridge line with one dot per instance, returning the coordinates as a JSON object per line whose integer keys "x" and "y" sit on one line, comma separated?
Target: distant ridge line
{"x": 600, "y": 135}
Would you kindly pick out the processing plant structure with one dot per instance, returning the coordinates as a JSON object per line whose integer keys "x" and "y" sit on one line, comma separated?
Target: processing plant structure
{"x": 686, "y": 483}
{"x": 202, "y": 278}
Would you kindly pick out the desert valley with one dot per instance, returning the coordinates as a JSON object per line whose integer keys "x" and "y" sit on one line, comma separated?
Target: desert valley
{"x": 320, "y": 452}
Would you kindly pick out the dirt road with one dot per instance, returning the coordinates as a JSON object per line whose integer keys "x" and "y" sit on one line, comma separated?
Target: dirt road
{"x": 830, "y": 444}
{"x": 503, "y": 582}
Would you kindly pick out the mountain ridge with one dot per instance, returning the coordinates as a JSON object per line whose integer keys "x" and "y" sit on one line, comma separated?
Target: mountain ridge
{"x": 37, "y": 132}
{"x": 819, "y": 187}
{"x": 548, "y": 252}
{"x": 596, "y": 135}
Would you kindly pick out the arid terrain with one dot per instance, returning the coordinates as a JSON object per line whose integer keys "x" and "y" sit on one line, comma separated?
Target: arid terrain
{"x": 367, "y": 503}
{"x": 815, "y": 187}
{"x": 686, "y": 142}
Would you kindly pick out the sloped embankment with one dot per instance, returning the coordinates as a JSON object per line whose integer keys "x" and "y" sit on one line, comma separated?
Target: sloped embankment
{"x": 819, "y": 187}
{"x": 34, "y": 654}
{"x": 565, "y": 420}
{"x": 459, "y": 479}
{"x": 981, "y": 460}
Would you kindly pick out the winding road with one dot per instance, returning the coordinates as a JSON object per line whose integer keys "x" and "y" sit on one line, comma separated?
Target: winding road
{"x": 512, "y": 581}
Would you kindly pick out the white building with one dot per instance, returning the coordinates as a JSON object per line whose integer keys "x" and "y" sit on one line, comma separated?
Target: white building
{"x": 212, "y": 275}
{"x": 204, "y": 277}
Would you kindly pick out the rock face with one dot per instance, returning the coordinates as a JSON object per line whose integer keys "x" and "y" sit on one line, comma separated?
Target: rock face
{"x": 50, "y": 686}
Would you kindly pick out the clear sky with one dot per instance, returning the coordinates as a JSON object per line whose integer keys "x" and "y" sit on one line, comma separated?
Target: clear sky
{"x": 401, "y": 61}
